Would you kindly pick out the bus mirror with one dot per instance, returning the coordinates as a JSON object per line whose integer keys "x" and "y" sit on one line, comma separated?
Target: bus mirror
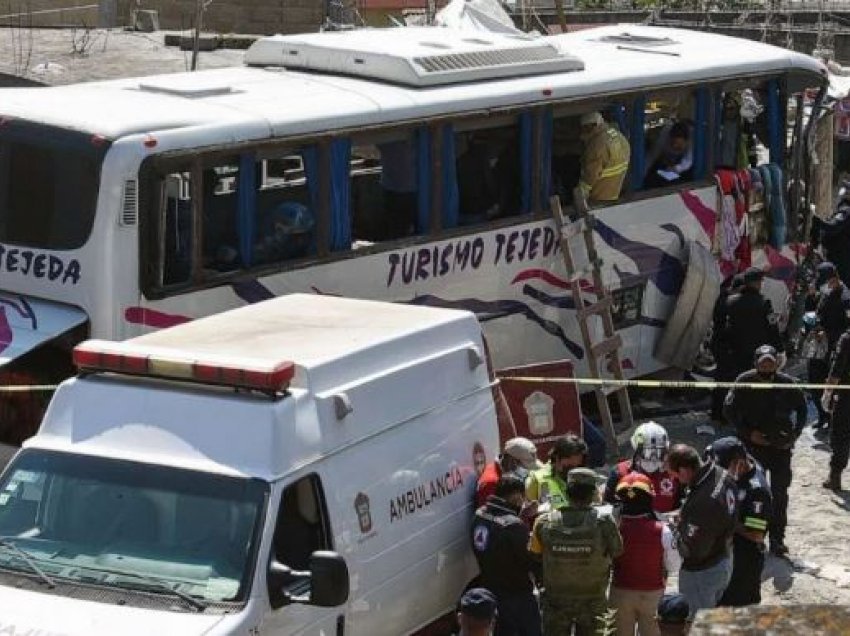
{"x": 325, "y": 585}
{"x": 329, "y": 579}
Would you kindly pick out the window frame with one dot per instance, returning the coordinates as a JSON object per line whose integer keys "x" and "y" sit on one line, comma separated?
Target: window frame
{"x": 466, "y": 119}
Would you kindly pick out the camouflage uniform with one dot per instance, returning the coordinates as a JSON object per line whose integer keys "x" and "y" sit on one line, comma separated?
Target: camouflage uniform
{"x": 577, "y": 546}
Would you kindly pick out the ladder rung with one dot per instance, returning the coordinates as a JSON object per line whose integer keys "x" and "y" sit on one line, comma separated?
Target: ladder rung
{"x": 578, "y": 274}
{"x": 569, "y": 230}
{"x": 596, "y": 308}
{"x": 609, "y": 345}
{"x": 610, "y": 390}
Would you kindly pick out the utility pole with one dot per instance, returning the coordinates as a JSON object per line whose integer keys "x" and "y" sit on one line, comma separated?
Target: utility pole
{"x": 562, "y": 16}
{"x": 200, "y": 8}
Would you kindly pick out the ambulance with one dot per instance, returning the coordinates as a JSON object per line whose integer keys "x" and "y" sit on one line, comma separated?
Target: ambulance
{"x": 304, "y": 465}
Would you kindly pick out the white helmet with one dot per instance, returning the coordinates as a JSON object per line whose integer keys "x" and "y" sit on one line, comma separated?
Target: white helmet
{"x": 650, "y": 443}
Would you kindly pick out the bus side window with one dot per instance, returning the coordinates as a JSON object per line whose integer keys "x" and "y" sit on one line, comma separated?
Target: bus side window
{"x": 302, "y": 524}
{"x": 284, "y": 220}
{"x": 384, "y": 187}
{"x": 566, "y": 156}
{"x": 176, "y": 218}
{"x": 670, "y": 136}
{"x": 220, "y": 237}
{"x": 489, "y": 172}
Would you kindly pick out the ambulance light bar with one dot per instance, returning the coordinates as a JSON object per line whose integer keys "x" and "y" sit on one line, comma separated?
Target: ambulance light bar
{"x": 101, "y": 355}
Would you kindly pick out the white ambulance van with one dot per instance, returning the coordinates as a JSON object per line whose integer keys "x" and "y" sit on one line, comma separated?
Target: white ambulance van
{"x": 305, "y": 465}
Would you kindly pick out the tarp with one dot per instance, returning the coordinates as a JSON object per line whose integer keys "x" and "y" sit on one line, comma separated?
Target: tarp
{"x": 476, "y": 15}
{"x": 26, "y": 323}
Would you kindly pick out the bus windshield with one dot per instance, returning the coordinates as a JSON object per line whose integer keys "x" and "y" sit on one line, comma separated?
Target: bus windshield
{"x": 49, "y": 179}
{"x": 119, "y": 524}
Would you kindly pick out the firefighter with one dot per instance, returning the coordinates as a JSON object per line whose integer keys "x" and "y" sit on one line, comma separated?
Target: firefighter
{"x": 575, "y": 545}
{"x": 754, "y": 510}
{"x": 650, "y": 444}
{"x": 769, "y": 423}
{"x": 605, "y": 160}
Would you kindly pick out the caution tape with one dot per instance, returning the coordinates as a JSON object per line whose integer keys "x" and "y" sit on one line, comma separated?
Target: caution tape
{"x": 678, "y": 384}
{"x": 28, "y": 388}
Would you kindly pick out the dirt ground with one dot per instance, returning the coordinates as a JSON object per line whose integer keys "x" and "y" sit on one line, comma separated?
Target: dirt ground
{"x": 818, "y": 570}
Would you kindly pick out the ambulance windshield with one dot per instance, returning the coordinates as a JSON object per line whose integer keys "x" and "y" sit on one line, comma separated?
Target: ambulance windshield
{"x": 128, "y": 526}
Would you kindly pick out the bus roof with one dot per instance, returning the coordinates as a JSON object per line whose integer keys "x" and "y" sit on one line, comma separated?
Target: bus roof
{"x": 242, "y": 104}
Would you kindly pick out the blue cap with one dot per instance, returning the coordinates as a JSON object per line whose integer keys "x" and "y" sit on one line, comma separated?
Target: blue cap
{"x": 478, "y": 602}
{"x": 726, "y": 449}
{"x": 826, "y": 270}
{"x": 673, "y": 608}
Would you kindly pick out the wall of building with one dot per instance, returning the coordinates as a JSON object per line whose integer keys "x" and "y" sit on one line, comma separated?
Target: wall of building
{"x": 262, "y": 17}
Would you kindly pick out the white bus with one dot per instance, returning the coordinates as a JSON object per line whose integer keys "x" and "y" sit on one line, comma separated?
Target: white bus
{"x": 410, "y": 165}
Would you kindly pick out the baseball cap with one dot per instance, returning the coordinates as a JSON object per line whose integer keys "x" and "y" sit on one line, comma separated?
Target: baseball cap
{"x": 524, "y": 451}
{"x": 582, "y": 476}
{"x": 765, "y": 352}
{"x": 478, "y": 602}
{"x": 635, "y": 481}
{"x": 726, "y": 449}
{"x": 673, "y": 608}
{"x": 825, "y": 270}
{"x": 753, "y": 274}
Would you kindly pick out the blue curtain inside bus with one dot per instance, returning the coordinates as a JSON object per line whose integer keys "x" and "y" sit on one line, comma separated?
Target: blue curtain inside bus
{"x": 618, "y": 116}
{"x": 702, "y": 97}
{"x": 545, "y": 121}
{"x": 775, "y": 123}
{"x": 310, "y": 158}
{"x": 450, "y": 199}
{"x": 526, "y": 159}
{"x": 246, "y": 217}
{"x": 451, "y": 195}
{"x": 638, "y": 162}
{"x": 718, "y": 123}
{"x": 423, "y": 179}
{"x": 340, "y": 234}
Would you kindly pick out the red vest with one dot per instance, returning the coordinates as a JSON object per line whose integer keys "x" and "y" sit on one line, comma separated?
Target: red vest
{"x": 666, "y": 487}
{"x": 641, "y": 566}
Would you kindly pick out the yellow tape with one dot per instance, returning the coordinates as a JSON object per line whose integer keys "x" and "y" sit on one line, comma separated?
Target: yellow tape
{"x": 28, "y": 388}
{"x": 679, "y": 384}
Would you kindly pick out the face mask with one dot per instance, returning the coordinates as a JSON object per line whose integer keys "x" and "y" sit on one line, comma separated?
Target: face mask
{"x": 764, "y": 375}
{"x": 651, "y": 465}
{"x": 824, "y": 289}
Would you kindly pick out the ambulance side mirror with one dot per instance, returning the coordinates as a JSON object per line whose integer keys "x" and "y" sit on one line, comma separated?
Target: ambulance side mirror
{"x": 326, "y": 584}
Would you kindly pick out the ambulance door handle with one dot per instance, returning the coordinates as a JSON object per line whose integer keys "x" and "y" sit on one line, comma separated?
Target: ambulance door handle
{"x": 340, "y": 625}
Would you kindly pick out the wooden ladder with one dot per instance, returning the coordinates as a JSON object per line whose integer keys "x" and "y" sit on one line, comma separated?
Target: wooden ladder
{"x": 609, "y": 347}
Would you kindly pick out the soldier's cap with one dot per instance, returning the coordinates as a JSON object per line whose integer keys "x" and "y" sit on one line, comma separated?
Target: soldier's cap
{"x": 592, "y": 118}
{"x": 632, "y": 483}
{"x": 826, "y": 270}
{"x": 673, "y": 609}
{"x": 581, "y": 476}
{"x": 524, "y": 451}
{"x": 725, "y": 450}
{"x": 753, "y": 274}
{"x": 478, "y": 602}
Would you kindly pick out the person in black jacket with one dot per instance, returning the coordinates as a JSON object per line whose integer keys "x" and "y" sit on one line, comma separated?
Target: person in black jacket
{"x": 724, "y": 370}
{"x": 832, "y": 320}
{"x": 754, "y": 512}
{"x": 500, "y": 543}
{"x": 839, "y": 431}
{"x": 750, "y": 322}
{"x": 704, "y": 528}
{"x": 769, "y": 423}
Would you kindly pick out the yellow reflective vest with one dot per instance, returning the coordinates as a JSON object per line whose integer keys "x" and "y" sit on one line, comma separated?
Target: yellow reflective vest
{"x": 604, "y": 164}
{"x": 544, "y": 486}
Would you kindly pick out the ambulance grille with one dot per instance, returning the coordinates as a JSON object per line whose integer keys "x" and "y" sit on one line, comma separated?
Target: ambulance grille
{"x": 130, "y": 208}
{"x": 485, "y": 59}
